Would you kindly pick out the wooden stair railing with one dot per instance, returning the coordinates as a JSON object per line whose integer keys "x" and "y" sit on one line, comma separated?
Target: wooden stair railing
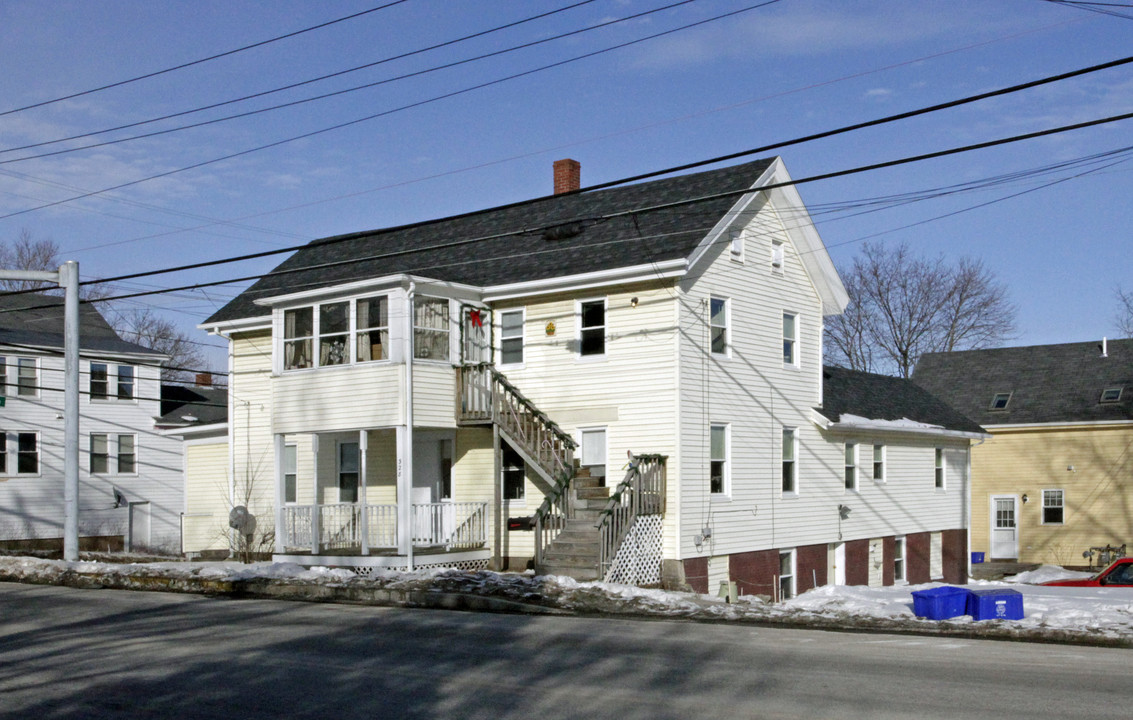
{"x": 640, "y": 494}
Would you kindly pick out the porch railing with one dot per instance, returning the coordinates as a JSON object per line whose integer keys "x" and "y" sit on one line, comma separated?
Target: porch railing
{"x": 641, "y": 494}
{"x": 338, "y": 526}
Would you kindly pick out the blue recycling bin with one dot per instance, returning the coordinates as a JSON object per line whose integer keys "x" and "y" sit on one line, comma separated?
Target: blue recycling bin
{"x": 995, "y": 604}
{"x": 977, "y": 558}
{"x": 940, "y": 603}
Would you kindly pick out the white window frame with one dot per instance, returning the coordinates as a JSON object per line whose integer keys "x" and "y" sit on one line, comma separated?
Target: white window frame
{"x": 1061, "y": 496}
{"x": 114, "y": 382}
{"x": 879, "y": 464}
{"x": 778, "y": 255}
{"x": 789, "y": 437}
{"x": 112, "y": 443}
{"x": 604, "y": 327}
{"x": 447, "y": 331}
{"x": 725, "y": 490}
{"x": 291, "y": 473}
{"x": 10, "y": 453}
{"x": 584, "y": 446}
{"x": 1111, "y": 395}
{"x": 338, "y": 471}
{"x": 940, "y": 474}
{"x": 726, "y": 327}
{"x": 900, "y": 559}
{"x": 18, "y": 366}
{"x": 308, "y": 339}
{"x": 792, "y": 566}
{"x": 356, "y": 332}
{"x": 521, "y": 336}
{"x": 850, "y": 478}
{"x": 791, "y": 341}
{"x": 736, "y": 244}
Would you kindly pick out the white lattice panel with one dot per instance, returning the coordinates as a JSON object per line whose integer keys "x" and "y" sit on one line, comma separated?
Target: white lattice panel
{"x": 638, "y": 561}
{"x": 366, "y": 571}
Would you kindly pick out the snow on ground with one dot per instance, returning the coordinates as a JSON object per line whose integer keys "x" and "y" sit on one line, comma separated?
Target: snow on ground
{"x": 1077, "y": 612}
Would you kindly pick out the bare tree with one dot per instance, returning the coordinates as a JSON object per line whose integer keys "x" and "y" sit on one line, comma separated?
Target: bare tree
{"x": 902, "y": 306}
{"x": 1124, "y": 316}
{"x": 145, "y": 327}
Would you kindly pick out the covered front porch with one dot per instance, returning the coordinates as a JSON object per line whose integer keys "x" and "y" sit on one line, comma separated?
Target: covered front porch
{"x": 364, "y": 498}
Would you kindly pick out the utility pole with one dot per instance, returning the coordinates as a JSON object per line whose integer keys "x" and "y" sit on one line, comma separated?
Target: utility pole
{"x": 67, "y": 278}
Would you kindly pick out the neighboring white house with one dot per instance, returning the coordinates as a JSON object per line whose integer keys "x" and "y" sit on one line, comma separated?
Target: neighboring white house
{"x": 131, "y": 486}
{"x": 679, "y": 320}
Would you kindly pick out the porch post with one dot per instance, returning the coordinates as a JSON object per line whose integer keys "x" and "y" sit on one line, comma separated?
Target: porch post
{"x": 280, "y": 516}
{"x": 498, "y": 496}
{"x": 364, "y": 526}
{"x": 315, "y": 531}
{"x": 405, "y": 443}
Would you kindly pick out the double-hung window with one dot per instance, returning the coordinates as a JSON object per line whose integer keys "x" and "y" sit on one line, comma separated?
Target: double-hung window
{"x": 111, "y": 382}
{"x": 718, "y": 465}
{"x": 592, "y": 328}
{"x": 776, "y": 255}
{"x": 290, "y": 473}
{"x": 26, "y": 445}
{"x": 430, "y": 328}
{"x": 113, "y": 454}
{"x": 334, "y": 332}
{"x": 511, "y": 337}
{"x": 372, "y": 318}
{"x": 790, "y": 460}
{"x": 790, "y": 339}
{"x": 852, "y": 466}
{"x": 349, "y": 466}
{"x": 298, "y": 338}
{"x": 786, "y": 574}
{"x": 879, "y": 463}
{"x": 718, "y": 322}
{"x": 899, "y": 559}
{"x": 939, "y": 468}
{"x": 1053, "y": 507}
{"x": 27, "y": 377}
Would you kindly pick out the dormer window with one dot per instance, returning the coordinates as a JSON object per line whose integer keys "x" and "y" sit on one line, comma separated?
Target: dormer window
{"x": 999, "y": 402}
{"x": 1111, "y": 395}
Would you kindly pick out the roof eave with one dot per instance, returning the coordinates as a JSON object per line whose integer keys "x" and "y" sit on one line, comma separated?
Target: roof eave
{"x": 601, "y": 278}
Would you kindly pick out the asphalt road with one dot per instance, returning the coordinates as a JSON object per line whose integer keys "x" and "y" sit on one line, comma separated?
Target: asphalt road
{"x": 67, "y": 653}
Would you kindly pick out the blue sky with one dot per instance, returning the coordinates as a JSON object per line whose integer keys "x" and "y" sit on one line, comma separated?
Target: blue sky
{"x": 765, "y": 75}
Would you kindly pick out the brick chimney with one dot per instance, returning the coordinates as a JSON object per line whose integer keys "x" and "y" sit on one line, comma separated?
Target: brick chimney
{"x": 568, "y": 175}
{"x": 204, "y": 379}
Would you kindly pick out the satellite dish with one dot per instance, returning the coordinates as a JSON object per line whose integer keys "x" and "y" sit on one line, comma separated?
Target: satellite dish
{"x": 241, "y": 520}
{"x": 119, "y": 499}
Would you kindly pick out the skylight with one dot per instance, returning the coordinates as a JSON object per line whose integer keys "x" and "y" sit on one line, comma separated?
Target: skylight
{"x": 999, "y": 402}
{"x": 1111, "y": 395}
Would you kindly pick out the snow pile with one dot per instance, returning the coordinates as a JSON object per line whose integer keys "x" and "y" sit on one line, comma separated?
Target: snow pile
{"x": 1049, "y": 611}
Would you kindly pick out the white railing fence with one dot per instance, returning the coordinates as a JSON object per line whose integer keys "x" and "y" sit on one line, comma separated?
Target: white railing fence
{"x": 338, "y": 526}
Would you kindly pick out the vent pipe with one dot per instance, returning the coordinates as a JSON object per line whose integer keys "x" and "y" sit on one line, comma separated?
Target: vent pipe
{"x": 1104, "y": 353}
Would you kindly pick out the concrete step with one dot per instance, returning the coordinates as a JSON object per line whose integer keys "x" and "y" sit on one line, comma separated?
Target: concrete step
{"x": 578, "y": 573}
{"x": 592, "y": 493}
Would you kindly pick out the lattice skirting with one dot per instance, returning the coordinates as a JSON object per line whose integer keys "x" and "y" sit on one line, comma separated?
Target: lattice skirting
{"x": 638, "y": 560}
{"x": 464, "y": 565}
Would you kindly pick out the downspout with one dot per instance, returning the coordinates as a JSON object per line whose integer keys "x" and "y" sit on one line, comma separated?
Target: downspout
{"x": 968, "y": 501}
{"x": 408, "y": 461}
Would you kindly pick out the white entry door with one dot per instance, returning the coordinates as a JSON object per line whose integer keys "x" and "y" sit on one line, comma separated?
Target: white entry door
{"x": 1004, "y": 529}
{"x": 836, "y": 563}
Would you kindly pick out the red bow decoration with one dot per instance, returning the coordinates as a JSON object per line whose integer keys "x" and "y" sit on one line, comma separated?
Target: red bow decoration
{"x": 474, "y": 316}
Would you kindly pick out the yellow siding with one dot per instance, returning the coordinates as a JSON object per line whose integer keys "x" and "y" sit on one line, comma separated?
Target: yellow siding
{"x": 206, "y": 497}
{"x": 1098, "y": 492}
{"x": 253, "y": 452}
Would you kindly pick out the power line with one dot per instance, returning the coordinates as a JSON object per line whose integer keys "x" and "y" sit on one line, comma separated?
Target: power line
{"x": 663, "y": 206}
{"x": 374, "y": 116}
{"x": 655, "y": 173}
{"x": 327, "y": 77}
{"x": 201, "y": 60}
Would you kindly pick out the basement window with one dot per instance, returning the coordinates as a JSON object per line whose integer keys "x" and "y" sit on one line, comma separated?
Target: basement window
{"x": 999, "y": 402}
{"x": 1111, "y": 395}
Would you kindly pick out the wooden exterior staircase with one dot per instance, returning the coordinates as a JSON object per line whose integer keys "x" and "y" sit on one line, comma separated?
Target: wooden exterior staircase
{"x": 581, "y": 525}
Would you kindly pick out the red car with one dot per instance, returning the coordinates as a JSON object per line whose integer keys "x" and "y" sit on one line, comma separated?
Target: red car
{"x": 1119, "y": 574}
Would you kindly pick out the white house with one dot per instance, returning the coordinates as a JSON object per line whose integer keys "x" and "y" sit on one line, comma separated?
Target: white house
{"x": 131, "y": 485}
{"x": 679, "y": 320}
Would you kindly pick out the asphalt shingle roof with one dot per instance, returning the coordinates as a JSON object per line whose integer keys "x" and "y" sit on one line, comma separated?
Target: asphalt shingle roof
{"x": 205, "y": 405}
{"x": 37, "y": 320}
{"x": 528, "y": 256}
{"x": 1048, "y": 383}
{"x": 882, "y": 397}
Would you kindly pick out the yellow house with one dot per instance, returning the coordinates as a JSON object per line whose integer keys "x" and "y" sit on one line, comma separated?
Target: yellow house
{"x": 1055, "y": 482}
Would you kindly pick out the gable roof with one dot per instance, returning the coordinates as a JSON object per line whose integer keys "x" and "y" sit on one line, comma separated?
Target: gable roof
{"x": 507, "y": 245}
{"x": 851, "y": 395}
{"x": 36, "y": 320}
{"x": 1047, "y": 383}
